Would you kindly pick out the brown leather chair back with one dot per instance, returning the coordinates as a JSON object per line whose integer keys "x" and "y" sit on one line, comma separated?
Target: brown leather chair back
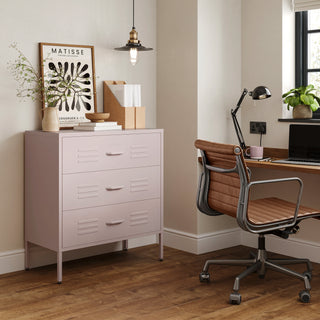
{"x": 224, "y": 188}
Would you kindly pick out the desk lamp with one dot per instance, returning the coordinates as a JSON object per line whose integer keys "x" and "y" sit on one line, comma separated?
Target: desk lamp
{"x": 258, "y": 93}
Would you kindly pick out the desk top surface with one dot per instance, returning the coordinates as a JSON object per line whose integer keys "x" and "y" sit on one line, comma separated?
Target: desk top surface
{"x": 274, "y": 154}
{"x": 283, "y": 166}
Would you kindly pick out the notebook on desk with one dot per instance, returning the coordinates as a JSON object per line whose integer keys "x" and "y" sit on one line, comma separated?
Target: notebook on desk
{"x": 304, "y": 145}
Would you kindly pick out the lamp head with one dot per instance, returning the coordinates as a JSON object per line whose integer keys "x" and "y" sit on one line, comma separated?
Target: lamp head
{"x": 260, "y": 93}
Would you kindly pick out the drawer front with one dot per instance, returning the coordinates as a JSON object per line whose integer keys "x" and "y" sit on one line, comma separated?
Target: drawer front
{"x": 83, "y": 154}
{"x": 92, "y": 189}
{"x": 115, "y": 222}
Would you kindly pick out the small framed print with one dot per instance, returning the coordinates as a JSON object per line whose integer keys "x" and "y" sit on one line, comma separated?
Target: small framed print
{"x": 68, "y": 78}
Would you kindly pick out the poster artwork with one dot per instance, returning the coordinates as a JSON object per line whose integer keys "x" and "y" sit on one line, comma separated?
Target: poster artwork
{"x": 69, "y": 69}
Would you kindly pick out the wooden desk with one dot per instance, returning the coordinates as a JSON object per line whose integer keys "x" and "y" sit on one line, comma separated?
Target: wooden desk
{"x": 274, "y": 154}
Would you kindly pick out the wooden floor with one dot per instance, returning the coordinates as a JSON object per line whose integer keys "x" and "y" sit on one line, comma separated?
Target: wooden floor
{"x": 135, "y": 285}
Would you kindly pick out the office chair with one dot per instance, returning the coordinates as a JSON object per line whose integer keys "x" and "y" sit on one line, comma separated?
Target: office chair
{"x": 224, "y": 188}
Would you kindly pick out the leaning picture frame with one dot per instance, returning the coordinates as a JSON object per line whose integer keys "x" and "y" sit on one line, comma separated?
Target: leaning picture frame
{"x": 68, "y": 79}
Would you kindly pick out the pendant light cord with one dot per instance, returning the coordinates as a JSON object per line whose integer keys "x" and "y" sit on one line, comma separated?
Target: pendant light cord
{"x": 133, "y": 27}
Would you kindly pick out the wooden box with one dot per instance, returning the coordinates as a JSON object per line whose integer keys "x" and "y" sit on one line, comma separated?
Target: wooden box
{"x": 128, "y": 117}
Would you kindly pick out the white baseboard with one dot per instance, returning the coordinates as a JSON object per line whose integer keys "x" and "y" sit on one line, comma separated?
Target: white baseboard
{"x": 199, "y": 244}
{"x": 292, "y": 247}
{"x": 11, "y": 261}
{"x": 202, "y": 243}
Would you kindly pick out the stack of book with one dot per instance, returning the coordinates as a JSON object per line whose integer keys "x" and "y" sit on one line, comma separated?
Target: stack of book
{"x": 97, "y": 126}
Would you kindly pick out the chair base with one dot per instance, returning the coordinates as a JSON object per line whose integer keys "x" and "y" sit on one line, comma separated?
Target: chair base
{"x": 260, "y": 263}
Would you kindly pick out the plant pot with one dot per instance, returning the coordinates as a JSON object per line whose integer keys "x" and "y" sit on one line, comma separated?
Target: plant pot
{"x": 50, "y": 120}
{"x": 302, "y": 111}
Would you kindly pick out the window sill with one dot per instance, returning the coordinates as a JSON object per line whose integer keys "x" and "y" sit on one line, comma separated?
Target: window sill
{"x": 299, "y": 120}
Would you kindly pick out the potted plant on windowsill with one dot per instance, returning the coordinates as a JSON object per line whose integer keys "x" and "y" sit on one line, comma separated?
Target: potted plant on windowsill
{"x": 302, "y": 100}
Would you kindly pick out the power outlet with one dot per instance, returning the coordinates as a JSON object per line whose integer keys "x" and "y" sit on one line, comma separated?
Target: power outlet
{"x": 258, "y": 127}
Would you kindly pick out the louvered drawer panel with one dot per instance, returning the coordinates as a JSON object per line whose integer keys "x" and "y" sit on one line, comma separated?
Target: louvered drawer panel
{"x": 95, "y": 225}
{"x": 83, "y": 154}
{"x": 93, "y": 189}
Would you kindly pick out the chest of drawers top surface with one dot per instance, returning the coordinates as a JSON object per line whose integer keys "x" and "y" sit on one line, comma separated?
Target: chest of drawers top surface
{"x": 73, "y": 133}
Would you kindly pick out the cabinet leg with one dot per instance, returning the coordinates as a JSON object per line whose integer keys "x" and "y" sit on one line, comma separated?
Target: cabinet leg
{"x": 59, "y": 267}
{"x": 160, "y": 246}
{"x": 26, "y": 255}
{"x": 124, "y": 245}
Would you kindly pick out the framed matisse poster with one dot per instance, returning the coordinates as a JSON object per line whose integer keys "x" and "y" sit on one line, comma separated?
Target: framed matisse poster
{"x": 68, "y": 76}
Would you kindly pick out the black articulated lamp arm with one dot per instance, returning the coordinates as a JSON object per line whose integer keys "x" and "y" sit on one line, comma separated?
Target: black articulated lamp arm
{"x": 235, "y": 121}
{"x": 244, "y": 93}
{"x": 238, "y": 131}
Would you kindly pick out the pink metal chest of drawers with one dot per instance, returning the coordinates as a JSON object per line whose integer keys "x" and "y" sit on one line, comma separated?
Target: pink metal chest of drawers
{"x": 89, "y": 188}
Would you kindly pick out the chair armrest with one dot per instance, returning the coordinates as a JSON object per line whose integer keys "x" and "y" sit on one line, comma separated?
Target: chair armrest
{"x": 275, "y": 225}
{"x": 221, "y": 170}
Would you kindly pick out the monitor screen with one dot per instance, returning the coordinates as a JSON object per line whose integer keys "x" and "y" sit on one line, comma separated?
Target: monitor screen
{"x": 304, "y": 141}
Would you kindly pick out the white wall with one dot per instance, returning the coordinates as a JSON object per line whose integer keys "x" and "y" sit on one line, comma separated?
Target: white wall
{"x": 105, "y": 24}
{"x": 219, "y": 81}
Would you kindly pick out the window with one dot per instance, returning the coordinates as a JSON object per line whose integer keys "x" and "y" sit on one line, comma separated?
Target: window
{"x": 308, "y": 50}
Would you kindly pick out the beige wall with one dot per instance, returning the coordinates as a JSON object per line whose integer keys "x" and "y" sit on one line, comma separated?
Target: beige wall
{"x": 219, "y": 81}
{"x": 207, "y": 52}
{"x": 262, "y": 65}
{"x": 288, "y": 49}
{"x": 177, "y": 109}
{"x": 105, "y": 24}
{"x": 198, "y": 80}
{"x": 268, "y": 58}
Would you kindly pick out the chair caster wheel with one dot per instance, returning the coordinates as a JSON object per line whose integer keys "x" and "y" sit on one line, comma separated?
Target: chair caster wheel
{"x": 304, "y": 296}
{"x": 204, "y": 277}
{"x": 308, "y": 274}
{"x": 235, "y": 298}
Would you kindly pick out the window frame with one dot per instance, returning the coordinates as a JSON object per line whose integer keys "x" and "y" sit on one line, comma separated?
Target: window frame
{"x": 301, "y": 52}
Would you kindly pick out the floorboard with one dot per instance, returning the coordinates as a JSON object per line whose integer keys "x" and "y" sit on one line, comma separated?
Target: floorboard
{"x": 135, "y": 285}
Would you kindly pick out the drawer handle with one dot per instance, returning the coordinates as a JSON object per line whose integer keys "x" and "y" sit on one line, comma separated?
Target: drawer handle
{"x": 114, "y": 188}
{"x": 115, "y": 222}
{"x": 119, "y": 153}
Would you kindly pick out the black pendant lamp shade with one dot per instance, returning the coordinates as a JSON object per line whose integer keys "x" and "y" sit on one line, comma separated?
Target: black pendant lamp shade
{"x": 133, "y": 42}
{"x": 133, "y": 45}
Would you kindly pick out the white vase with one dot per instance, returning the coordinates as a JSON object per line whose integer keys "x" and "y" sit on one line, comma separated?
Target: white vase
{"x": 50, "y": 120}
{"x": 301, "y": 112}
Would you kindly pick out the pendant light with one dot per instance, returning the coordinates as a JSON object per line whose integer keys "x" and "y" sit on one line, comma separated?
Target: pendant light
{"x": 133, "y": 45}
